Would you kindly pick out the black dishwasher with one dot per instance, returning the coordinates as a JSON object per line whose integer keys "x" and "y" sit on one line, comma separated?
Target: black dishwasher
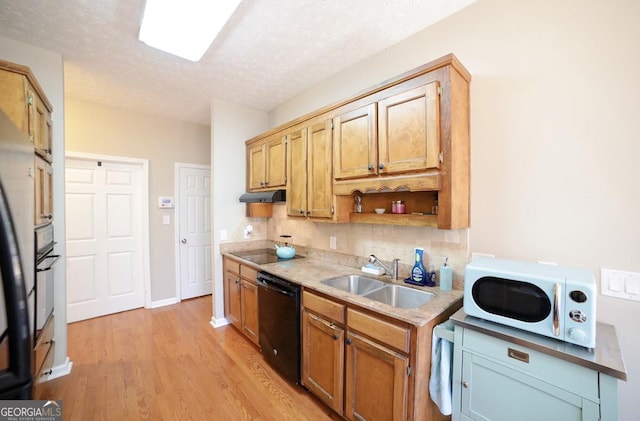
{"x": 279, "y": 320}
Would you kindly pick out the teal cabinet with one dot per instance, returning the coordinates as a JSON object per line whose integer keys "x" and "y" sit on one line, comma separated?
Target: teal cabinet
{"x": 495, "y": 379}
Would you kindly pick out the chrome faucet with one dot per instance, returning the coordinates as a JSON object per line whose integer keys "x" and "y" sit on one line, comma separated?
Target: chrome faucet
{"x": 393, "y": 270}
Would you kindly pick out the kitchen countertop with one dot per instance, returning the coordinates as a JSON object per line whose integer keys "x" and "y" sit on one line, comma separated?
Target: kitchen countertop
{"x": 606, "y": 357}
{"x": 309, "y": 271}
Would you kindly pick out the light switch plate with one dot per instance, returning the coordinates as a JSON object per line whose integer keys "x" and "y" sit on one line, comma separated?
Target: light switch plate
{"x": 223, "y": 235}
{"x": 332, "y": 242}
{"x": 620, "y": 284}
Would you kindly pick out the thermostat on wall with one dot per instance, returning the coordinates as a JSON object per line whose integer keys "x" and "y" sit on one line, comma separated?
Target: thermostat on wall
{"x": 165, "y": 202}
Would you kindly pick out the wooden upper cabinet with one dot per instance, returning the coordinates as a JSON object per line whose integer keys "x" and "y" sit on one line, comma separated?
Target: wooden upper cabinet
{"x": 309, "y": 163}
{"x": 23, "y": 100}
{"x": 355, "y": 148}
{"x": 397, "y": 134}
{"x": 297, "y": 168}
{"x": 39, "y": 124}
{"x": 267, "y": 164}
{"x": 319, "y": 170}
{"x": 409, "y": 131}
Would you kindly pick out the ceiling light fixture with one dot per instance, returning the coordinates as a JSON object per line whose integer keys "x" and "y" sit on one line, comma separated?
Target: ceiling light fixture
{"x": 185, "y": 28}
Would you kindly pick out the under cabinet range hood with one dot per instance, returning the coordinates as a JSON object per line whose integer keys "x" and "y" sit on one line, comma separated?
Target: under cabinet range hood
{"x": 264, "y": 197}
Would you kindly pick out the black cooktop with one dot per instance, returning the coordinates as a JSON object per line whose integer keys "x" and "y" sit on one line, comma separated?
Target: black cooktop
{"x": 261, "y": 256}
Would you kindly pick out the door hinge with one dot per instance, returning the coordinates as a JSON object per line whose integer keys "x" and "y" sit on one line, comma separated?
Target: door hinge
{"x": 441, "y": 157}
{"x": 333, "y": 210}
{"x": 440, "y": 90}
{"x": 331, "y": 124}
{"x": 29, "y": 100}
{"x": 409, "y": 371}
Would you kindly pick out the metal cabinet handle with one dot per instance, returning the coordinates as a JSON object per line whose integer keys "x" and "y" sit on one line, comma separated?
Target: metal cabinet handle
{"x": 335, "y": 336}
{"x": 184, "y": 241}
{"x": 381, "y": 166}
{"x": 465, "y": 385}
{"x": 556, "y": 309}
{"x": 370, "y": 167}
{"x": 348, "y": 341}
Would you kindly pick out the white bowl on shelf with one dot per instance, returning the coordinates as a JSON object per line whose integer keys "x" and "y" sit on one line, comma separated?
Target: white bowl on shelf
{"x": 379, "y": 210}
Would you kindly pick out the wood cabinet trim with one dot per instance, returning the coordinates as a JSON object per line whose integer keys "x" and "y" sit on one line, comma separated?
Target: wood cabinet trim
{"x": 26, "y": 71}
{"x": 447, "y": 60}
{"x": 386, "y": 332}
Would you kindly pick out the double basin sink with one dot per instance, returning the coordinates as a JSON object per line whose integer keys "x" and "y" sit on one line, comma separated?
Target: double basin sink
{"x": 390, "y": 294}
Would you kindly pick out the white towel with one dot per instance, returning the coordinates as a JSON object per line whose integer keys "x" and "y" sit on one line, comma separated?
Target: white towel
{"x": 440, "y": 387}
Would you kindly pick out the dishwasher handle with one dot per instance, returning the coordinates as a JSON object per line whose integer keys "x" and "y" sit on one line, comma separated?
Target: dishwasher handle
{"x": 275, "y": 287}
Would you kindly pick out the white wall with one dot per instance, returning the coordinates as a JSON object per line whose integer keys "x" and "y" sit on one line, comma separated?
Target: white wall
{"x": 101, "y": 129}
{"x": 554, "y": 135}
{"x": 47, "y": 67}
{"x": 231, "y": 125}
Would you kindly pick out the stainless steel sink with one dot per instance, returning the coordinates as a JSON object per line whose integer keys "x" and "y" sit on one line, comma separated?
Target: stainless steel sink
{"x": 400, "y": 296}
{"x": 354, "y": 284}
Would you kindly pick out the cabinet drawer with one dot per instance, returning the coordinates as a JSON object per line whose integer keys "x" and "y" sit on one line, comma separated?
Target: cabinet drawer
{"x": 329, "y": 309}
{"x": 381, "y": 330}
{"x": 231, "y": 265}
{"x": 579, "y": 380}
{"x": 44, "y": 343}
{"x": 249, "y": 273}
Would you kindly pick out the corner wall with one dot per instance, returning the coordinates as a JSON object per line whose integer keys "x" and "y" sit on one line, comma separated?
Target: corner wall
{"x": 554, "y": 136}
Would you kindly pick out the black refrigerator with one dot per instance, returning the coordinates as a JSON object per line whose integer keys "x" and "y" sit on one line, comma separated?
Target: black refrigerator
{"x": 16, "y": 261}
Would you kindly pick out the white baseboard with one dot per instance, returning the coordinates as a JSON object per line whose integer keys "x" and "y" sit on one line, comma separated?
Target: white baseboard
{"x": 216, "y": 323}
{"x": 165, "y": 302}
{"x": 58, "y": 371}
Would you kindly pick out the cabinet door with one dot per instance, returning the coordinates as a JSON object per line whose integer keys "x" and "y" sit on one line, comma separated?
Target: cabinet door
{"x": 297, "y": 169}
{"x": 355, "y": 147}
{"x": 43, "y": 191}
{"x": 376, "y": 381}
{"x": 323, "y": 360}
{"x": 39, "y": 123}
{"x": 256, "y": 166}
{"x": 492, "y": 391}
{"x": 13, "y": 99}
{"x": 249, "y": 303}
{"x": 232, "y": 292}
{"x": 409, "y": 131}
{"x": 319, "y": 170}
{"x": 276, "y": 159}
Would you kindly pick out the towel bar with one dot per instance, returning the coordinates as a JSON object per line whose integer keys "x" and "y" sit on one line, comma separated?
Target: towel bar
{"x": 444, "y": 331}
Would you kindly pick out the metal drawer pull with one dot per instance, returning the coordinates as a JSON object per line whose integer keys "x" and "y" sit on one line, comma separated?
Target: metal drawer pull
{"x": 465, "y": 385}
{"x": 518, "y": 355}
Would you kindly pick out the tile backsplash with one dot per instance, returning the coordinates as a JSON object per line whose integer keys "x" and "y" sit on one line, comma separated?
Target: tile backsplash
{"x": 385, "y": 241}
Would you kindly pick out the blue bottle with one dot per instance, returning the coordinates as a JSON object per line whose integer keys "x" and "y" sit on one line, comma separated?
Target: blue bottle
{"x": 418, "y": 273}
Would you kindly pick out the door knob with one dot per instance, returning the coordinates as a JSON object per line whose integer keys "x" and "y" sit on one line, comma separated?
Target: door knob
{"x": 184, "y": 241}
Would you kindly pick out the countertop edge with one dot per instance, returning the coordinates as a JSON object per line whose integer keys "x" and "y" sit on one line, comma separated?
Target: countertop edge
{"x": 605, "y": 358}
{"x": 418, "y": 317}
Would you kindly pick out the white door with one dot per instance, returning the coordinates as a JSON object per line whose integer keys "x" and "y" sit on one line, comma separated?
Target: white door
{"x": 104, "y": 237}
{"x": 194, "y": 230}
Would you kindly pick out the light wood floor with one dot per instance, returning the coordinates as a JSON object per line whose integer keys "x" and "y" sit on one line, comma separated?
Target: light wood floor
{"x": 170, "y": 364}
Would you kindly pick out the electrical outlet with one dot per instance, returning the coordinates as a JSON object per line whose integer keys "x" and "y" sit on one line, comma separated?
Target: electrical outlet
{"x": 475, "y": 255}
{"x": 332, "y": 243}
{"x": 620, "y": 284}
{"x": 223, "y": 235}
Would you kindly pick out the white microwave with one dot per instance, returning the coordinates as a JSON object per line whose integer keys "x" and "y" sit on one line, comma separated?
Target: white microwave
{"x": 554, "y": 301}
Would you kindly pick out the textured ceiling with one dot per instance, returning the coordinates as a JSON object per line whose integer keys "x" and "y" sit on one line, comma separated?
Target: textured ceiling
{"x": 270, "y": 50}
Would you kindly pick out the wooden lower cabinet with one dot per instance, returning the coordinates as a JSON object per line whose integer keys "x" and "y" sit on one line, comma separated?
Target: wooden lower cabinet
{"x": 249, "y": 302}
{"x": 376, "y": 386}
{"x": 241, "y": 297}
{"x": 323, "y": 359}
{"x": 365, "y": 365}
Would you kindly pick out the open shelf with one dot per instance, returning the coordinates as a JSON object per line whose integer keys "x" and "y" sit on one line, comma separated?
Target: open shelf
{"x": 395, "y": 219}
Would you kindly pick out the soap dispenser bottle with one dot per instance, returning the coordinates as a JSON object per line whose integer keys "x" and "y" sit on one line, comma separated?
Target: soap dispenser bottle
{"x": 446, "y": 278}
{"x": 418, "y": 273}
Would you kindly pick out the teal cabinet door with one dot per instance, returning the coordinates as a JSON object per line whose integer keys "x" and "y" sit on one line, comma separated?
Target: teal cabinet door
{"x": 492, "y": 391}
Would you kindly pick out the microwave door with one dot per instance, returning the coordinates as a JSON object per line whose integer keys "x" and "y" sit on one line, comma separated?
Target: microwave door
{"x": 15, "y": 344}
